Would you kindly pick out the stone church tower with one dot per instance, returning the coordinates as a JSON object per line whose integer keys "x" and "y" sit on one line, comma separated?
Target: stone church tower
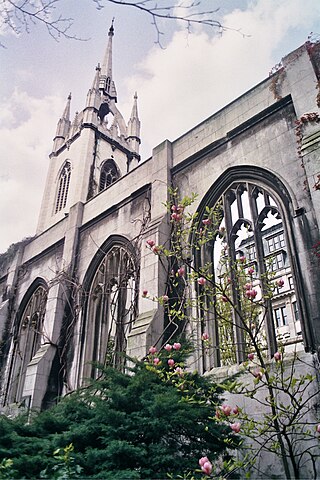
{"x": 93, "y": 150}
{"x": 71, "y": 296}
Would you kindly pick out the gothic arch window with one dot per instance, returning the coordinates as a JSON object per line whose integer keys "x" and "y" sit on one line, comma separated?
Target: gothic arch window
{"x": 63, "y": 187}
{"x": 109, "y": 174}
{"x": 110, "y": 311}
{"x": 27, "y": 338}
{"x": 253, "y": 231}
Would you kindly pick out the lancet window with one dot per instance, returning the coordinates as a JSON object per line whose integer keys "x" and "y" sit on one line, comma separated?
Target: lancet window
{"x": 110, "y": 311}
{"x": 250, "y": 237}
{"x": 27, "y": 341}
{"x": 63, "y": 187}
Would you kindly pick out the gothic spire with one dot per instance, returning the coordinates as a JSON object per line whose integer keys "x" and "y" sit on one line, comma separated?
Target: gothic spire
{"x": 63, "y": 126}
{"x": 134, "y": 112}
{"x": 93, "y": 94}
{"x": 66, "y": 112}
{"x": 95, "y": 83}
{"x": 106, "y": 82}
{"x": 134, "y": 126}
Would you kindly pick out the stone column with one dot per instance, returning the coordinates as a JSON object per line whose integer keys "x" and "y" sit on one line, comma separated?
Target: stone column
{"x": 149, "y": 326}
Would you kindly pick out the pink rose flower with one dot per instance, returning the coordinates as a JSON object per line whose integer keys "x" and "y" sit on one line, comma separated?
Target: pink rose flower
{"x": 152, "y": 350}
{"x": 250, "y": 270}
{"x": 180, "y": 208}
{"x": 168, "y": 347}
{"x": 251, "y": 356}
{"x": 151, "y": 243}
{"x": 226, "y": 409}
{"x": 251, "y": 294}
{"x": 207, "y": 468}
{"x": 205, "y": 337}
{"x": 257, "y": 373}
{"x": 176, "y": 346}
{"x": 176, "y": 217}
{"x": 277, "y": 356}
{"x": 235, "y": 411}
{"x": 242, "y": 259}
{"x": 155, "y": 249}
{"x": 206, "y": 221}
{"x": 280, "y": 283}
{"x": 235, "y": 427}
{"x": 165, "y": 298}
{"x": 170, "y": 362}
{"x": 201, "y": 281}
{"x": 203, "y": 460}
{"x": 318, "y": 428}
{"x": 179, "y": 371}
{"x": 144, "y": 293}
{"x": 224, "y": 299}
{"x": 181, "y": 271}
{"x": 156, "y": 361}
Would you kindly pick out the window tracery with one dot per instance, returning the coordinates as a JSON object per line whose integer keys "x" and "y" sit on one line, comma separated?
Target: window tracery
{"x": 252, "y": 232}
{"x": 110, "y": 311}
{"x": 63, "y": 187}
{"x": 27, "y": 340}
{"x": 109, "y": 174}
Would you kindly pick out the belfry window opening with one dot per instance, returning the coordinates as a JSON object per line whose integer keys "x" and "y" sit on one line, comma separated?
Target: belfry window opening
{"x": 109, "y": 174}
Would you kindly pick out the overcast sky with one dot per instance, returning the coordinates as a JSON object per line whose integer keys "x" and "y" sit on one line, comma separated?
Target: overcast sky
{"x": 178, "y": 86}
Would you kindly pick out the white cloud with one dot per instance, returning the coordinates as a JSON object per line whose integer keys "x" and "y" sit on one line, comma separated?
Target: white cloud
{"x": 195, "y": 76}
{"x": 27, "y": 126}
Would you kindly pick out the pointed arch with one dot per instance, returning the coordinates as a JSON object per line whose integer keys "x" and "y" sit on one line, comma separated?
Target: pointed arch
{"x": 27, "y": 337}
{"x": 63, "y": 187}
{"x": 109, "y": 174}
{"x": 256, "y": 211}
{"x": 110, "y": 306}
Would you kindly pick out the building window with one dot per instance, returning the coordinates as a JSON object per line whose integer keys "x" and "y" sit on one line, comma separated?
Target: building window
{"x": 291, "y": 285}
{"x": 277, "y": 262}
{"x": 280, "y": 316}
{"x": 295, "y": 309}
{"x": 109, "y": 174}
{"x": 27, "y": 341}
{"x": 251, "y": 253}
{"x": 63, "y": 187}
{"x": 276, "y": 242}
{"x": 110, "y": 311}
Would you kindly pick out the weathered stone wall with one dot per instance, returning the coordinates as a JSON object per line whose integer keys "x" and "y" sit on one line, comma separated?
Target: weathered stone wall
{"x": 268, "y": 465}
{"x": 253, "y": 134}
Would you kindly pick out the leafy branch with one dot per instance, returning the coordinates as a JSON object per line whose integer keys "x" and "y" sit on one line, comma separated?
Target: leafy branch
{"x": 21, "y": 15}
